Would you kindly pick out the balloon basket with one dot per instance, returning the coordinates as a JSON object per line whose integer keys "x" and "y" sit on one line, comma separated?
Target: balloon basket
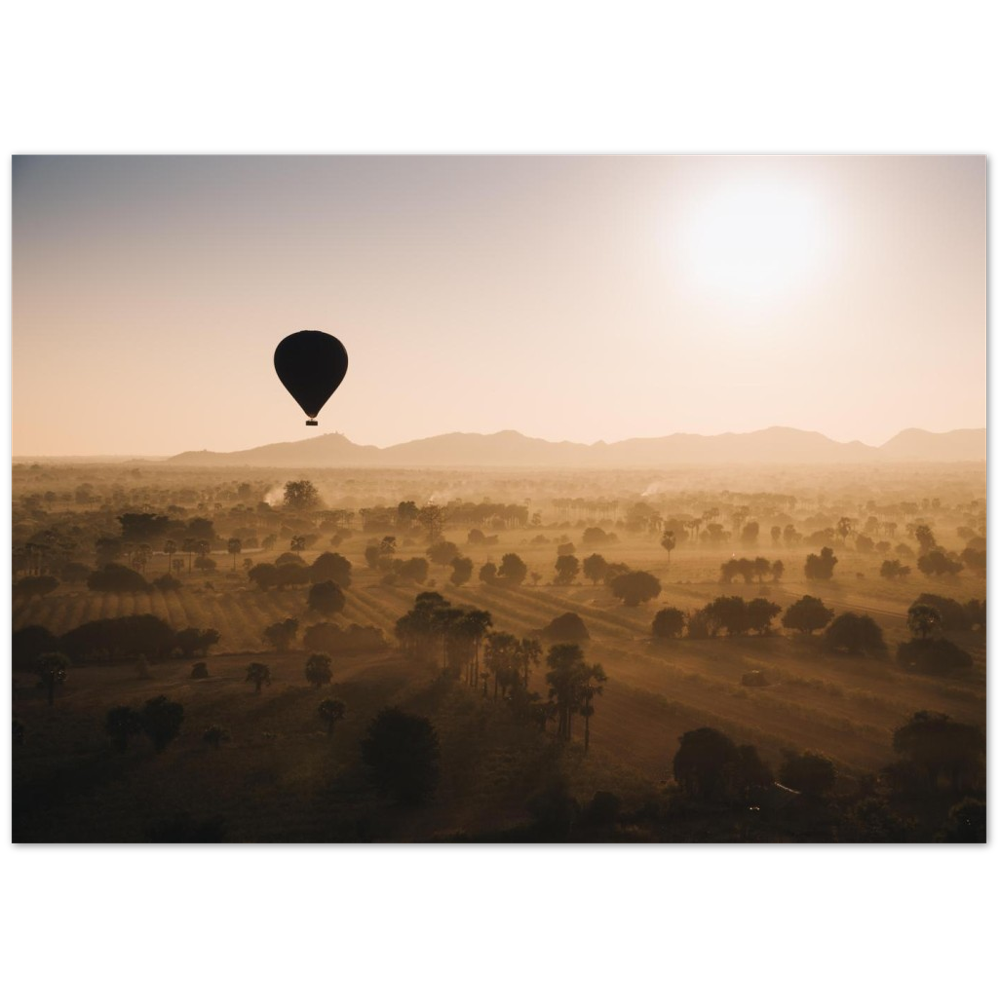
{"x": 312, "y": 423}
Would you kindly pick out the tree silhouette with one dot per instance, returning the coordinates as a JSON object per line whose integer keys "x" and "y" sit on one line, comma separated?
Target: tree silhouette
{"x": 669, "y": 541}
{"x": 301, "y": 495}
{"x": 807, "y": 615}
{"x": 461, "y": 571}
{"x": 331, "y": 711}
{"x": 281, "y": 634}
{"x": 122, "y": 723}
{"x": 855, "y": 634}
{"x": 820, "y": 567}
{"x": 808, "y": 772}
{"x": 326, "y": 598}
{"x": 318, "y": 669}
{"x": 51, "y": 669}
{"x": 923, "y": 620}
{"x": 942, "y": 751}
{"x": 595, "y": 568}
{"x": 234, "y": 547}
{"x": 259, "y": 674}
{"x": 591, "y": 685}
{"x": 402, "y": 752}
{"x": 635, "y": 588}
{"x": 705, "y": 763}
{"x": 567, "y": 568}
{"x": 161, "y": 721}
{"x": 668, "y": 623}
{"x": 512, "y": 570}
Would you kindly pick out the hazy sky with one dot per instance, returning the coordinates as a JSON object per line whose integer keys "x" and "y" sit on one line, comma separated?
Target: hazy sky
{"x": 576, "y": 298}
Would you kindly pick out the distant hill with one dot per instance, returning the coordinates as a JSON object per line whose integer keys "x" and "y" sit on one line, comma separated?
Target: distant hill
{"x": 923, "y": 446}
{"x": 775, "y": 445}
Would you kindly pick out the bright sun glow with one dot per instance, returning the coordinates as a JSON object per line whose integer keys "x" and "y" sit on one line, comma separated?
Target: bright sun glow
{"x": 754, "y": 241}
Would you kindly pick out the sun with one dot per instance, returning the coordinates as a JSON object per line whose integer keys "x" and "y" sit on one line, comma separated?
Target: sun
{"x": 753, "y": 241}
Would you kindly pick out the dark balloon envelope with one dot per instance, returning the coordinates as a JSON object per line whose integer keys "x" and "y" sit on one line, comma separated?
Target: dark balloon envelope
{"x": 311, "y": 364}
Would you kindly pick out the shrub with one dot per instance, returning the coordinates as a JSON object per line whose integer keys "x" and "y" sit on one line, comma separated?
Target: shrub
{"x": 566, "y": 628}
{"x": 668, "y": 623}
{"x": 855, "y": 634}
{"x": 199, "y": 671}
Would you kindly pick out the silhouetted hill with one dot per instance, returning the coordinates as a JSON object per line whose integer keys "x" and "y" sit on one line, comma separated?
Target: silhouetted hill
{"x": 775, "y": 445}
{"x": 923, "y": 446}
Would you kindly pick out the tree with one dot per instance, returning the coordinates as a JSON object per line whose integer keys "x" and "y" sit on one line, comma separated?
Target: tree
{"x": 281, "y": 634}
{"x": 259, "y": 674}
{"x": 234, "y": 547}
{"x": 938, "y": 563}
{"x": 595, "y": 568}
{"x": 932, "y": 656}
{"x": 567, "y": 568}
{"x": 565, "y": 677}
{"x": 923, "y": 620}
{"x": 121, "y": 723}
{"x": 854, "y": 634}
{"x": 777, "y": 570}
{"x": 893, "y": 569}
{"x": 117, "y": 579}
{"x": 331, "y": 566}
{"x": 924, "y": 537}
{"x": 568, "y": 627}
{"x": 461, "y": 570}
{"x": 402, "y": 752}
{"x": 941, "y": 751}
{"x": 161, "y": 721}
{"x": 331, "y": 711}
{"x": 810, "y": 773}
{"x": 591, "y": 685}
{"x": 512, "y": 570}
{"x": 669, "y": 542}
{"x": 301, "y": 495}
{"x": 820, "y": 567}
{"x": 192, "y": 641}
{"x": 215, "y": 736}
{"x": 51, "y": 669}
{"x": 326, "y": 598}
{"x": 760, "y": 613}
{"x": 635, "y": 588}
{"x": 488, "y": 573}
{"x": 705, "y": 764}
{"x": 318, "y": 670}
{"x": 668, "y": 623}
{"x": 35, "y": 586}
{"x": 442, "y": 552}
{"x": 807, "y": 615}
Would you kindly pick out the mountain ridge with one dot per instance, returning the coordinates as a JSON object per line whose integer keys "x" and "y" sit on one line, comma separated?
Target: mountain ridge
{"x": 512, "y": 449}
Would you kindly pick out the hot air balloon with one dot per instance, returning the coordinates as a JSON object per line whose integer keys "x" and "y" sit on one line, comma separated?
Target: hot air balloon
{"x": 311, "y": 364}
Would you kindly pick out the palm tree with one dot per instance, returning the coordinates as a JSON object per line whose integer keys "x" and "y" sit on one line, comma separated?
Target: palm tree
{"x": 668, "y": 541}
{"x": 51, "y": 669}
{"x": 260, "y": 674}
{"x": 531, "y": 655}
{"x": 592, "y": 683}
{"x": 566, "y": 668}
{"x": 331, "y": 711}
{"x": 169, "y": 548}
{"x": 234, "y": 547}
{"x": 189, "y": 546}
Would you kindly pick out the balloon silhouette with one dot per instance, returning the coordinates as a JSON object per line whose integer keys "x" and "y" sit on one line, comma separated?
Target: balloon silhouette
{"x": 311, "y": 364}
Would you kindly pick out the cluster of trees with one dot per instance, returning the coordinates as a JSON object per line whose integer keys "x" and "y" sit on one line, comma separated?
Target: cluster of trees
{"x": 734, "y": 614}
{"x": 326, "y": 637}
{"x": 464, "y": 641}
{"x": 752, "y": 569}
{"x": 111, "y": 639}
{"x": 291, "y": 570}
{"x": 160, "y": 719}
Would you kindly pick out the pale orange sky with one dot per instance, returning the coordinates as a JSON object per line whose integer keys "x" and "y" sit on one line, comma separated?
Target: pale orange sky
{"x": 577, "y": 298}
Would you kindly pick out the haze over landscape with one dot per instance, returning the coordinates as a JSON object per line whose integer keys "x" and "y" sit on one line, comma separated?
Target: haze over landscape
{"x": 647, "y": 502}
